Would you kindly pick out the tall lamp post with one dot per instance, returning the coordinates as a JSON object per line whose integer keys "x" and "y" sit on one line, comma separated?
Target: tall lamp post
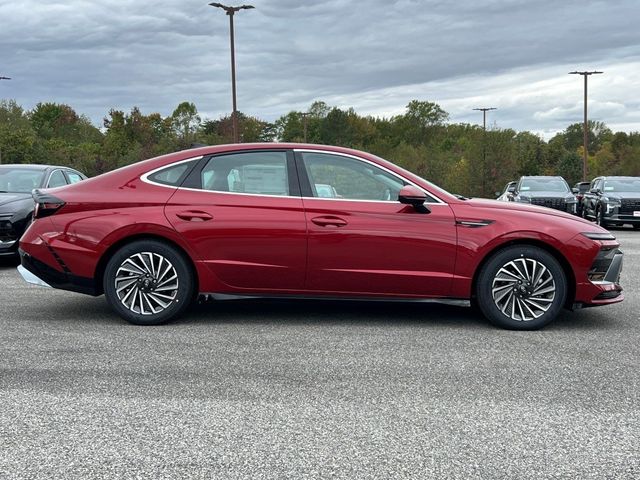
{"x": 230, "y": 12}
{"x": 304, "y": 116}
{"x": 484, "y": 111}
{"x": 3, "y": 78}
{"x": 585, "y": 139}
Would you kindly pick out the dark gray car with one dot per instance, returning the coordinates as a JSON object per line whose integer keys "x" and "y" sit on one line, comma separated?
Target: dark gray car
{"x": 16, "y": 203}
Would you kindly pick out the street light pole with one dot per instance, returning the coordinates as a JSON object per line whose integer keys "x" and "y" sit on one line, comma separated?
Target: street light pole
{"x": 304, "y": 116}
{"x": 585, "y": 138}
{"x": 230, "y": 11}
{"x": 484, "y": 111}
{"x": 3, "y": 78}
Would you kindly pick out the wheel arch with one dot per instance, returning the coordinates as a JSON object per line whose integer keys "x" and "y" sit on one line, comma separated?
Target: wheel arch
{"x": 564, "y": 264}
{"x": 104, "y": 259}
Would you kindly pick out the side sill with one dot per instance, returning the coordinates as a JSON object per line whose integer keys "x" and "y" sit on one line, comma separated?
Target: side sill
{"x": 457, "y": 302}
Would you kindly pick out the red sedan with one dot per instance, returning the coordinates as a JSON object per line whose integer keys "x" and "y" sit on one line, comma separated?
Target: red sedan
{"x": 274, "y": 220}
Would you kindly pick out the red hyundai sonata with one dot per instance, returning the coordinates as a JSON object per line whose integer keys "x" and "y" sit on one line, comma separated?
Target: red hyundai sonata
{"x": 279, "y": 220}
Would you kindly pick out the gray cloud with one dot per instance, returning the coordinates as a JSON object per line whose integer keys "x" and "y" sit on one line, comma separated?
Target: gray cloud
{"x": 373, "y": 55}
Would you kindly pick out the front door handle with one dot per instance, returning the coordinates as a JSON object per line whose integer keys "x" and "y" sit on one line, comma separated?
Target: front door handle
{"x": 329, "y": 221}
{"x": 194, "y": 216}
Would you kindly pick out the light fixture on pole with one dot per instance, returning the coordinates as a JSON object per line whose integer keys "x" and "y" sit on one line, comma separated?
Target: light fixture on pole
{"x": 484, "y": 111}
{"x": 585, "y": 138}
{"x": 230, "y": 12}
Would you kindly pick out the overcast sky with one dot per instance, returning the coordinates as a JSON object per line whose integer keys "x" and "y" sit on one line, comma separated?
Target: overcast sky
{"x": 372, "y": 55}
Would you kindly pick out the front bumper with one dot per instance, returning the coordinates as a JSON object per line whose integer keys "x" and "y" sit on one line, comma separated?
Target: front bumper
{"x": 8, "y": 248}
{"x": 616, "y": 217}
{"x": 603, "y": 287}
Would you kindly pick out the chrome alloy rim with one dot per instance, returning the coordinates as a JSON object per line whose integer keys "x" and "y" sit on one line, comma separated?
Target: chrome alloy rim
{"x": 523, "y": 289}
{"x": 146, "y": 283}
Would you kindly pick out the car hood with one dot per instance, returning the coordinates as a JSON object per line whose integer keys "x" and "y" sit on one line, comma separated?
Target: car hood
{"x": 622, "y": 194}
{"x": 545, "y": 194}
{"x": 8, "y": 198}
{"x": 523, "y": 207}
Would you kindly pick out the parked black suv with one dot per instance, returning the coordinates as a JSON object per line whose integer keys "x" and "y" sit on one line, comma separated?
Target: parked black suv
{"x": 613, "y": 201}
{"x": 552, "y": 192}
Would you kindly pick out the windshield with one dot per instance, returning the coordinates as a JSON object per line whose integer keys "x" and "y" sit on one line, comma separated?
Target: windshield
{"x": 19, "y": 180}
{"x": 544, "y": 185}
{"x": 622, "y": 185}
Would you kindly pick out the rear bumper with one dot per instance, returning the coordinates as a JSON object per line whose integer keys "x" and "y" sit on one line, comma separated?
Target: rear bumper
{"x": 51, "y": 277}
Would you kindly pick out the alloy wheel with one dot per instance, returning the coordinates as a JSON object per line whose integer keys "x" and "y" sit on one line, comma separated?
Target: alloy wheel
{"x": 523, "y": 289}
{"x": 146, "y": 283}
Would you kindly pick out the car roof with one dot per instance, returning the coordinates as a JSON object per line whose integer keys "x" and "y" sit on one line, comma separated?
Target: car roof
{"x": 617, "y": 177}
{"x": 541, "y": 176}
{"x": 33, "y": 166}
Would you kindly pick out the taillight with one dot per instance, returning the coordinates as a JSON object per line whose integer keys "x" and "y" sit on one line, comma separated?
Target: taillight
{"x": 46, "y": 204}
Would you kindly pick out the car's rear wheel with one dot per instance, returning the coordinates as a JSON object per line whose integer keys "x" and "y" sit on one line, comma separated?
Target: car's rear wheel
{"x": 148, "y": 282}
{"x": 521, "y": 287}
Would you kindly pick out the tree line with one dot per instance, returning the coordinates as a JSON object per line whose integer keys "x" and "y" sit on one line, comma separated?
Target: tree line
{"x": 460, "y": 157}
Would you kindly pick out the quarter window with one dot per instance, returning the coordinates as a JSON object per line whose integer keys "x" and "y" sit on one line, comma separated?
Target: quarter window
{"x": 336, "y": 176}
{"x": 57, "y": 179}
{"x": 173, "y": 174}
{"x": 261, "y": 173}
{"x": 74, "y": 177}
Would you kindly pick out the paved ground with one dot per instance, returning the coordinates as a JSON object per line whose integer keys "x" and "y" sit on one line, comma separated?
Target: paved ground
{"x": 316, "y": 390}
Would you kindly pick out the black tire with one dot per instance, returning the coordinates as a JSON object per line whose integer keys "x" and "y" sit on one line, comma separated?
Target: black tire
{"x": 600, "y": 218}
{"x": 636, "y": 226}
{"x": 144, "y": 270}
{"x": 512, "y": 298}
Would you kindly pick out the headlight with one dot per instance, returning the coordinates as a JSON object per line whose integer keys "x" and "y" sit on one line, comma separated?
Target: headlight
{"x": 611, "y": 203}
{"x": 599, "y": 235}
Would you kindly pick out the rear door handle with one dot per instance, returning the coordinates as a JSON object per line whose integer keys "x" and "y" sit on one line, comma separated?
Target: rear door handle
{"x": 194, "y": 216}
{"x": 329, "y": 221}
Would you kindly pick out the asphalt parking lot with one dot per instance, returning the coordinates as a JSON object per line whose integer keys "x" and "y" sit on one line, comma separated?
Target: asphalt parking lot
{"x": 316, "y": 390}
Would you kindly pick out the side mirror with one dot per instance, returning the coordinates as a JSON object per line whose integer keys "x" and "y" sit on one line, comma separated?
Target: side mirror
{"x": 415, "y": 197}
{"x": 593, "y": 190}
{"x": 575, "y": 190}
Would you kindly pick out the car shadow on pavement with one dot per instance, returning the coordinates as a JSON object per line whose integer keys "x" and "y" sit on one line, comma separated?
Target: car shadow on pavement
{"x": 9, "y": 262}
{"x": 332, "y": 312}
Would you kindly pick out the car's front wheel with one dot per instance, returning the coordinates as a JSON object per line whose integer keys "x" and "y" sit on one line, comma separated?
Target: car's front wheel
{"x": 521, "y": 287}
{"x": 600, "y": 218}
{"x": 148, "y": 282}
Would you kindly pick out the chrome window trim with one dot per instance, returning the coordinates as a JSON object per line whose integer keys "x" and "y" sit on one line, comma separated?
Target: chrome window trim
{"x": 355, "y": 157}
{"x": 145, "y": 179}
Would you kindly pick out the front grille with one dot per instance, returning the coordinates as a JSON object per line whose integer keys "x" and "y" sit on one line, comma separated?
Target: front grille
{"x": 557, "y": 203}
{"x": 629, "y": 205}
